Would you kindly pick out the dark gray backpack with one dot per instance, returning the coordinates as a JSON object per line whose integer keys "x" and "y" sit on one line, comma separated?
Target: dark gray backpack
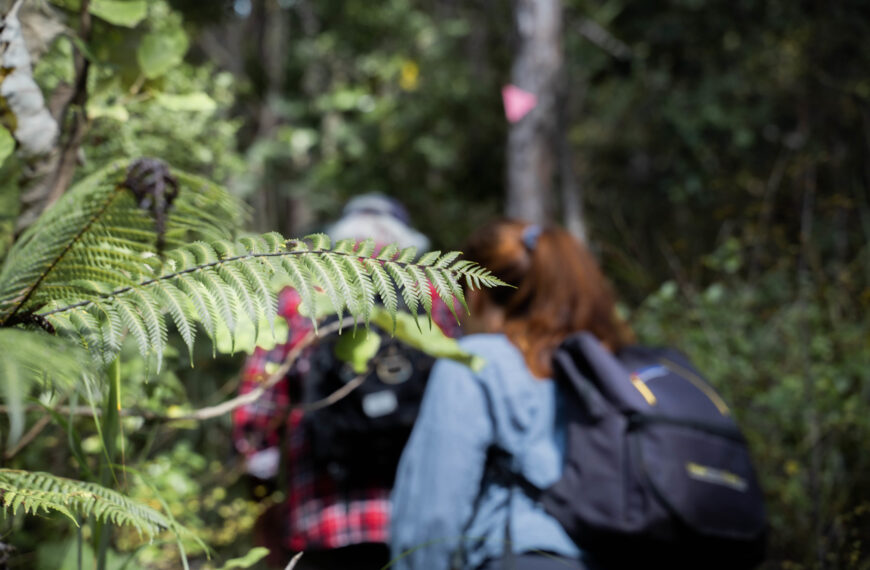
{"x": 656, "y": 470}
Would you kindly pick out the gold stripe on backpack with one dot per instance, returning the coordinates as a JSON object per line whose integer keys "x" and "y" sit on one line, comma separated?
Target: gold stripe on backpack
{"x": 643, "y": 389}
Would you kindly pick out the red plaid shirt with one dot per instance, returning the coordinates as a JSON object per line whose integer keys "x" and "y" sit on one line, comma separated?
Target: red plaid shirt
{"x": 319, "y": 515}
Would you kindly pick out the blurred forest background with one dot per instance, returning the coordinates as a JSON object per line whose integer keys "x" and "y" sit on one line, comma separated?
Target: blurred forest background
{"x": 715, "y": 152}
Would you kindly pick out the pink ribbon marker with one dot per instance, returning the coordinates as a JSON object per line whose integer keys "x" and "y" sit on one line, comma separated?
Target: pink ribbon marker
{"x": 517, "y": 102}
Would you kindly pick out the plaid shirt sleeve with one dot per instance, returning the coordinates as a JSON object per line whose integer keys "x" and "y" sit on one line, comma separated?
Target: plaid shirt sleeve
{"x": 258, "y": 425}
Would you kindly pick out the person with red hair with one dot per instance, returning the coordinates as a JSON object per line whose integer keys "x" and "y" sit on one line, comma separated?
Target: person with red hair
{"x": 448, "y": 508}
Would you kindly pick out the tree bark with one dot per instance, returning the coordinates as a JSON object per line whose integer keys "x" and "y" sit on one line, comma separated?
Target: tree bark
{"x": 532, "y": 155}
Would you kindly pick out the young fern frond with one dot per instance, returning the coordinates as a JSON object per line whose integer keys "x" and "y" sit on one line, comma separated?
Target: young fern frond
{"x": 227, "y": 283}
{"x": 35, "y": 492}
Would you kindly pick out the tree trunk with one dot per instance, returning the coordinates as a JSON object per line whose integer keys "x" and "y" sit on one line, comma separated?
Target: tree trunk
{"x": 532, "y": 155}
{"x": 570, "y": 97}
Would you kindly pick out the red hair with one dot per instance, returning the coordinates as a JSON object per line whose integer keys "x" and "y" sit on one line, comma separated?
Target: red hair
{"x": 560, "y": 289}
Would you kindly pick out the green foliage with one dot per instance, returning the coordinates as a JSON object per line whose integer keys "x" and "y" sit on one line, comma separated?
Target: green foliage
{"x": 181, "y": 114}
{"x": 68, "y": 367}
{"x": 90, "y": 268}
{"x": 792, "y": 361}
{"x": 34, "y": 492}
{"x": 398, "y": 97}
{"x": 126, "y": 13}
{"x": 224, "y": 283}
{"x": 97, "y": 237}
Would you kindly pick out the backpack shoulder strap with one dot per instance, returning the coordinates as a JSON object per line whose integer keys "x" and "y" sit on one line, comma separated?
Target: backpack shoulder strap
{"x": 597, "y": 376}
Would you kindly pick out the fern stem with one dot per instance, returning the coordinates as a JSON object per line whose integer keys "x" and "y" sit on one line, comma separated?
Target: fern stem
{"x": 60, "y": 256}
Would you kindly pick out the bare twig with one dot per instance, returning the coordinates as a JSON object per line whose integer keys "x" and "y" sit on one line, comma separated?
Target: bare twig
{"x": 248, "y": 398}
{"x": 595, "y": 33}
{"x": 294, "y": 561}
{"x": 28, "y": 437}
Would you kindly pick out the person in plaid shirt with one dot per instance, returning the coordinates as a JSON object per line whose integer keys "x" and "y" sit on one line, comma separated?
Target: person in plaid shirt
{"x": 335, "y": 527}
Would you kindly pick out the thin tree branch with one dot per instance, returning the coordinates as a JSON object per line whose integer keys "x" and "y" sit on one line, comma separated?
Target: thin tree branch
{"x": 248, "y": 398}
{"x": 293, "y": 561}
{"x": 28, "y": 437}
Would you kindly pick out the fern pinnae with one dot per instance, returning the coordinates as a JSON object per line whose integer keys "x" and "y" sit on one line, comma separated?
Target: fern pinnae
{"x": 406, "y": 284}
{"x": 442, "y": 287}
{"x": 456, "y": 289}
{"x": 428, "y": 258}
{"x": 423, "y": 287}
{"x": 388, "y": 252}
{"x": 344, "y": 246}
{"x": 257, "y": 273}
{"x": 384, "y": 286}
{"x": 224, "y": 298}
{"x": 337, "y": 274}
{"x": 176, "y": 303}
{"x": 407, "y": 255}
{"x": 319, "y": 242}
{"x": 181, "y": 257}
{"x": 54, "y": 258}
{"x": 36, "y": 492}
{"x": 131, "y": 319}
{"x": 87, "y": 327}
{"x": 111, "y": 331}
{"x": 365, "y": 248}
{"x": 299, "y": 276}
{"x": 365, "y": 289}
{"x": 232, "y": 277}
{"x": 272, "y": 241}
{"x": 153, "y": 319}
{"x": 202, "y": 302}
{"x": 80, "y": 271}
{"x": 445, "y": 260}
{"x": 320, "y": 272}
{"x": 204, "y": 253}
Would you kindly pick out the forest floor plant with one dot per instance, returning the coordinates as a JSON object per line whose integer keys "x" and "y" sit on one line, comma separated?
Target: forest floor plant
{"x": 135, "y": 250}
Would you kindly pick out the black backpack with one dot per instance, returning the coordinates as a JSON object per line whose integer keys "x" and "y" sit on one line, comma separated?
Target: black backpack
{"x": 656, "y": 470}
{"x": 359, "y": 438}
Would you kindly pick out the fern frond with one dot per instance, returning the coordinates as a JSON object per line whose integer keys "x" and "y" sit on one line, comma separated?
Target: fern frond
{"x": 225, "y": 283}
{"x": 36, "y": 492}
{"x": 97, "y": 232}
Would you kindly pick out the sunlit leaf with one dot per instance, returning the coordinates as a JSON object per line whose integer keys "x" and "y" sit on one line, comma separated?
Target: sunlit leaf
{"x": 126, "y": 13}
{"x": 159, "y": 52}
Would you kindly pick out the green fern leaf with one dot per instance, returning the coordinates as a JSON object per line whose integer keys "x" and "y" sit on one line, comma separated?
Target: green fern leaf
{"x": 440, "y": 282}
{"x": 98, "y": 233}
{"x": 365, "y": 248}
{"x": 177, "y": 304}
{"x": 35, "y": 493}
{"x": 428, "y": 258}
{"x": 388, "y": 252}
{"x": 321, "y": 273}
{"x": 407, "y": 255}
{"x": 407, "y": 285}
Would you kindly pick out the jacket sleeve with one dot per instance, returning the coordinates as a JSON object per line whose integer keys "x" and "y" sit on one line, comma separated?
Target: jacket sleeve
{"x": 441, "y": 468}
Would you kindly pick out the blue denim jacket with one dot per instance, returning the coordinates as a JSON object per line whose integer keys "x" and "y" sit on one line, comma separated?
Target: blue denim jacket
{"x": 463, "y": 413}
